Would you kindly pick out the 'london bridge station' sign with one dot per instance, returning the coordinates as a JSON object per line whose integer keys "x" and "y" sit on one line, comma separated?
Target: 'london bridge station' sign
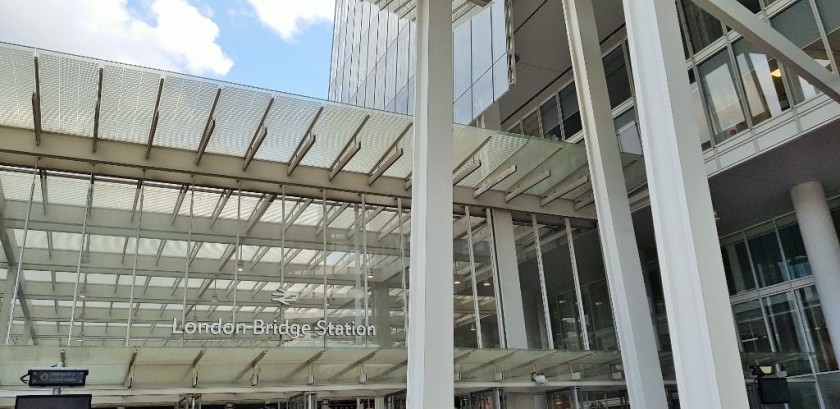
{"x": 261, "y": 327}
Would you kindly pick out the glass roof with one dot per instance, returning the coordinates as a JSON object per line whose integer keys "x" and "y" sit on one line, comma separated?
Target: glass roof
{"x": 129, "y": 98}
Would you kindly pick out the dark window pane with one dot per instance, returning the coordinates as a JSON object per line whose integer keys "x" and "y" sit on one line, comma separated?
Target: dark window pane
{"x": 766, "y": 257}
{"x": 618, "y": 83}
{"x": 794, "y": 248}
{"x": 550, "y": 119}
{"x": 703, "y": 29}
{"x": 736, "y": 263}
{"x": 785, "y": 325}
{"x": 751, "y": 329}
{"x": 816, "y": 326}
{"x": 751, "y": 5}
{"x": 571, "y": 113}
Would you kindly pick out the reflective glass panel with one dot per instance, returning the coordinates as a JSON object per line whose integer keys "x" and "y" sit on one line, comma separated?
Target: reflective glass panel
{"x": 628, "y": 133}
{"x": 703, "y": 29}
{"x": 736, "y": 263}
{"x": 722, "y": 97}
{"x": 699, "y": 112}
{"x": 618, "y": 81}
{"x": 817, "y": 328}
{"x": 797, "y": 24}
{"x": 762, "y": 81}
{"x": 550, "y": 119}
{"x": 766, "y": 256}
{"x": 795, "y": 256}
{"x": 752, "y": 331}
{"x": 571, "y": 113}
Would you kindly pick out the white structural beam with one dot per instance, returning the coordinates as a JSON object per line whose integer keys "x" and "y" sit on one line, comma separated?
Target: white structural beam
{"x": 705, "y": 348}
{"x": 431, "y": 379}
{"x": 615, "y": 225}
{"x": 823, "y": 249}
{"x": 68, "y": 153}
{"x": 765, "y": 38}
{"x": 513, "y": 314}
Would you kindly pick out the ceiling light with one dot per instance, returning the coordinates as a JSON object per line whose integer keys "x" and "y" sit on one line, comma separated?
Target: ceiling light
{"x": 776, "y": 73}
{"x": 487, "y": 283}
{"x": 457, "y": 281}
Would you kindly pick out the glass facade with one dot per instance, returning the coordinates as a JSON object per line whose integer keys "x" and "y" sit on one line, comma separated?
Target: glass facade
{"x": 734, "y": 87}
{"x": 373, "y": 59}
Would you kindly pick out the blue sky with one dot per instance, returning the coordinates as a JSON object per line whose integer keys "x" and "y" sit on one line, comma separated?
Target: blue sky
{"x": 277, "y": 44}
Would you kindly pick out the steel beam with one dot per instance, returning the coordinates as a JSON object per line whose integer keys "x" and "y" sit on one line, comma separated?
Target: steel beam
{"x": 127, "y": 160}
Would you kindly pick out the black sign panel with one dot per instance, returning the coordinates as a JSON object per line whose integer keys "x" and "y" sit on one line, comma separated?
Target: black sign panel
{"x": 773, "y": 391}
{"x": 53, "y": 402}
{"x": 54, "y": 377}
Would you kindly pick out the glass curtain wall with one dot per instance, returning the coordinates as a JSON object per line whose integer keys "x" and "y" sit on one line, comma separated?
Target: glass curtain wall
{"x": 118, "y": 262}
{"x": 734, "y": 87}
{"x": 564, "y": 289}
{"x": 373, "y": 59}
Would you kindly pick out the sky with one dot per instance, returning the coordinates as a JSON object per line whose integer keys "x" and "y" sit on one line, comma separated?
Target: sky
{"x": 281, "y": 45}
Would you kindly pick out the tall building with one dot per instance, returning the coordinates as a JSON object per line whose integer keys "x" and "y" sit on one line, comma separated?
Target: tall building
{"x": 645, "y": 206}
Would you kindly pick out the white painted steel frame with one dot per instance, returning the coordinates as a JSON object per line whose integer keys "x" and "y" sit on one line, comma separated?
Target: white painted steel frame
{"x": 615, "y": 224}
{"x": 706, "y": 357}
{"x": 431, "y": 379}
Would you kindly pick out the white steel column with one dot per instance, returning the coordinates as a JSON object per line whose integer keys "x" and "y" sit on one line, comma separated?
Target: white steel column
{"x": 431, "y": 367}
{"x": 615, "y": 225}
{"x": 706, "y": 357}
{"x": 823, "y": 249}
{"x": 509, "y": 288}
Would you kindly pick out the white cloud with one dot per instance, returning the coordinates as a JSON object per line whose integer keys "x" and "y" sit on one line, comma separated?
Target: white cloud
{"x": 288, "y": 18}
{"x": 179, "y": 37}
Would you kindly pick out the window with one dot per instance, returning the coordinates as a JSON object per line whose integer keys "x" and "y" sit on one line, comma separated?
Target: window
{"x": 482, "y": 47}
{"x": 795, "y": 258}
{"x": 571, "y": 113}
{"x": 531, "y": 124}
{"x": 482, "y": 93}
{"x": 736, "y": 265}
{"x": 765, "y": 254}
{"x": 797, "y": 24}
{"x": 762, "y": 80}
{"x": 699, "y": 112}
{"x": 463, "y": 70}
{"x": 618, "y": 83}
{"x": 722, "y": 97}
{"x": 751, "y": 329}
{"x": 817, "y": 329}
{"x": 703, "y": 29}
{"x": 831, "y": 23}
{"x": 785, "y": 324}
{"x": 628, "y": 133}
{"x": 551, "y": 119}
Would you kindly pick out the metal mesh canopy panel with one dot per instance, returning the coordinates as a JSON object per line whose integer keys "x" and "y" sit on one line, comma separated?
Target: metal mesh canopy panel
{"x": 188, "y": 111}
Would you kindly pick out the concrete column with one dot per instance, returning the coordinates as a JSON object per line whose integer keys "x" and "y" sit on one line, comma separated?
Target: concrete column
{"x": 706, "y": 357}
{"x": 379, "y": 402}
{"x": 615, "y": 225}
{"x": 431, "y": 352}
{"x": 509, "y": 287}
{"x": 382, "y": 314}
{"x": 823, "y": 250}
